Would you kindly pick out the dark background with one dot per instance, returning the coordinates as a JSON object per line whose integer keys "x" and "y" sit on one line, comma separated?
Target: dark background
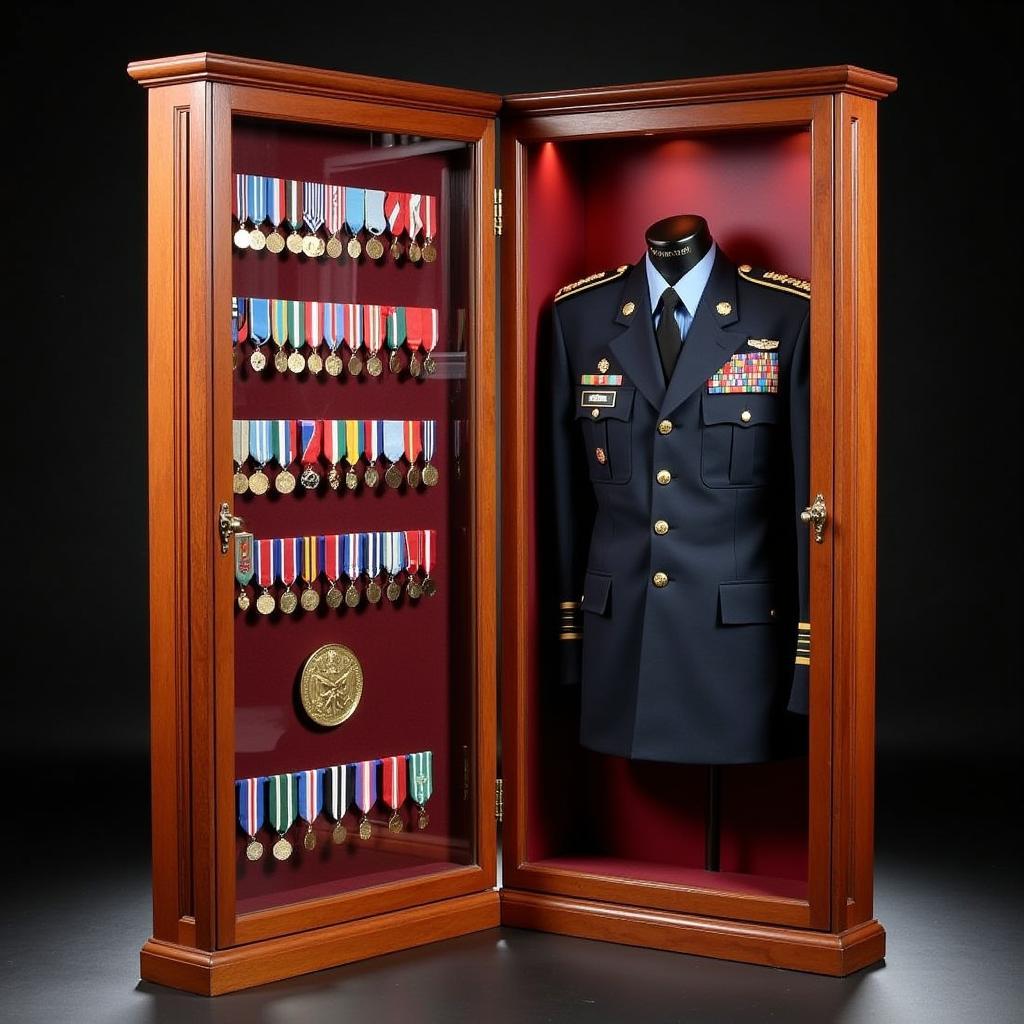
{"x": 950, "y": 368}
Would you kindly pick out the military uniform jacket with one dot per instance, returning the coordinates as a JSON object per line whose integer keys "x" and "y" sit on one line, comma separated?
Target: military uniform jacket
{"x": 681, "y": 558}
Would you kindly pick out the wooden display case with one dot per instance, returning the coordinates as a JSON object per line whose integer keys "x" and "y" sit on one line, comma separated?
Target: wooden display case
{"x": 783, "y": 165}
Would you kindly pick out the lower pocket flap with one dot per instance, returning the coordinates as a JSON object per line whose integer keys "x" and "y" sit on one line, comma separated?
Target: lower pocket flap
{"x": 746, "y": 602}
{"x": 597, "y": 590}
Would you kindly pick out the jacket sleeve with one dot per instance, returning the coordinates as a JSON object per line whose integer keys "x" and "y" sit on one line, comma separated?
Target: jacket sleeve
{"x": 799, "y": 425}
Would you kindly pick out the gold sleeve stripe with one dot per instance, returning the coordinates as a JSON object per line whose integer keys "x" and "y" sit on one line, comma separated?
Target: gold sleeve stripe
{"x": 571, "y": 636}
{"x": 569, "y": 604}
{"x": 803, "y": 661}
{"x": 804, "y": 625}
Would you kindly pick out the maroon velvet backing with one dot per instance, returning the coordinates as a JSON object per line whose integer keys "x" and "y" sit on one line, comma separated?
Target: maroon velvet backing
{"x": 415, "y": 657}
{"x": 588, "y": 206}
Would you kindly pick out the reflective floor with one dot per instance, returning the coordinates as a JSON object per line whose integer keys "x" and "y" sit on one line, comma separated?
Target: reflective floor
{"x": 948, "y": 892}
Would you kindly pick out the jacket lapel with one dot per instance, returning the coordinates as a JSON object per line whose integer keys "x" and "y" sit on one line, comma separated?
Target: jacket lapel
{"x": 708, "y": 343}
{"x": 636, "y": 348}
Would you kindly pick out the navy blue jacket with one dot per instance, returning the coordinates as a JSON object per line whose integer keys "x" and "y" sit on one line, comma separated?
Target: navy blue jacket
{"x": 681, "y": 558}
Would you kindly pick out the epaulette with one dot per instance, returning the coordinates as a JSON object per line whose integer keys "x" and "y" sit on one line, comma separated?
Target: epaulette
{"x": 601, "y": 277}
{"x": 773, "y": 279}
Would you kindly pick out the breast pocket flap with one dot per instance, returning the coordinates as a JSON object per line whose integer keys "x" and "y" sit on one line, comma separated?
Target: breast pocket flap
{"x": 742, "y": 603}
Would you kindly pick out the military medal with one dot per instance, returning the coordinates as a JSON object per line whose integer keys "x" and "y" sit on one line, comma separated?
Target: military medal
{"x": 311, "y": 796}
{"x": 312, "y": 549}
{"x": 245, "y": 566}
{"x": 257, "y": 211}
{"x": 261, "y": 447}
{"x": 287, "y": 552}
{"x": 430, "y": 473}
{"x": 413, "y": 555}
{"x": 393, "y": 451}
{"x": 337, "y": 797}
{"x": 284, "y": 452}
{"x": 373, "y": 433}
{"x": 240, "y": 211}
{"x": 293, "y": 214}
{"x": 332, "y": 569}
{"x": 393, "y": 782}
{"x": 259, "y": 332}
{"x": 394, "y": 562}
{"x": 429, "y": 555}
{"x": 355, "y": 207}
{"x": 315, "y": 316}
{"x": 353, "y": 451}
{"x": 279, "y": 331}
{"x": 354, "y": 336}
{"x": 366, "y": 794}
{"x": 296, "y": 335}
{"x": 310, "y": 434}
{"x": 282, "y": 810}
{"x": 239, "y": 454}
{"x": 266, "y": 557}
{"x": 397, "y": 206}
{"x": 334, "y": 219}
{"x": 421, "y": 783}
{"x": 313, "y": 216}
{"x": 373, "y": 567}
{"x": 415, "y": 227}
{"x": 331, "y": 685}
{"x": 431, "y": 332}
{"x": 333, "y": 439}
{"x": 413, "y": 446}
{"x": 376, "y": 222}
{"x": 250, "y": 813}
{"x": 428, "y": 208}
{"x": 334, "y": 321}
{"x": 395, "y": 336}
{"x": 275, "y": 213}
{"x": 353, "y": 553}
{"x": 373, "y": 333}
{"x": 414, "y": 337}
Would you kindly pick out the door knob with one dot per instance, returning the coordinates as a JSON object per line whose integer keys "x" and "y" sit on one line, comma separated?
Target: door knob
{"x": 230, "y": 524}
{"x": 816, "y": 513}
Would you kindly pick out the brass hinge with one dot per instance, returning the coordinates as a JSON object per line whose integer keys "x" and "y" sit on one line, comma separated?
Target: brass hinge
{"x": 499, "y": 799}
{"x": 497, "y": 211}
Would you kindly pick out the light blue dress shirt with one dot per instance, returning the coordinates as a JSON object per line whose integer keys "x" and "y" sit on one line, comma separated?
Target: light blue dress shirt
{"x": 690, "y": 287}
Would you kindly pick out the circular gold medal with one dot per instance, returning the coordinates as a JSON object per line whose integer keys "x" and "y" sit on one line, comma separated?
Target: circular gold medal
{"x": 393, "y": 592}
{"x": 281, "y": 361}
{"x": 351, "y": 478}
{"x": 373, "y": 592}
{"x": 393, "y": 476}
{"x": 396, "y": 250}
{"x": 242, "y": 238}
{"x": 258, "y": 361}
{"x": 282, "y": 849}
{"x": 254, "y": 850}
{"x": 314, "y": 363}
{"x": 413, "y": 588}
{"x": 414, "y": 365}
{"x": 309, "y": 840}
{"x": 288, "y": 602}
{"x": 352, "y": 595}
{"x": 354, "y": 249}
{"x": 334, "y": 597}
{"x": 296, "y": 362}
{"x": 364, "y": 829}
{"x": 284, "y": 482}
{"x": 334, "y": 247}
{"x": 430, "y": 364}
{"x": 415, "y": 252}
{"x": 333, "y": 478}
{"x": 310, "y": 247}
{"x": 374, "y": 366}
{"x": 413, "y": 476}
{"x": 294, "y": 243}
{"x": 395, "y": 822}
{"x": 310, "y": 478}
{"x": 243, "y": 600}
{"x": 424, "y": 819}
{"x": 258, "y": 482}
{"x": 310, "y": 600}
{"x": 371, "y": 477}
{"x": 339, "y": 835}
{"x": 429, "y": 586}
{"x": 394, "y": 362}
{"x": 331, "y": 685}
{"x": 265, "y": 603}
{"x": 257, "y": 240}
{"x": 333, "y": 364}
{"x": 429, "y": 252}
{"x": 355, "y": 365}
{"x": 430, "y": 474}
{"x": 275, "y": 241}
{"x": 374, "y": 247}
{"x": 239, "y": 483}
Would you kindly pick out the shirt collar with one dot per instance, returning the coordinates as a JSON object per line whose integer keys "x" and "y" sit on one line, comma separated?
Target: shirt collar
{"x": 690, "y": 287}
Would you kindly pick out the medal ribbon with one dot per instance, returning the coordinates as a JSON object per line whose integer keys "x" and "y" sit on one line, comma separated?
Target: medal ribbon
{"x": 355, "y": 208}
{"x": 429, "y": 439}
{"x": 353, "y": 325}
{"x": 331, "y": 333}
{"x": 312, "y": 554}
{"x": 393, "y": 440}
{"x": 311, "y": 435}
{"x": 421, "y": 776}
{"x": 413, "y": 550}
{"x": 257, "y": 199}
{"x": 315, "y": 323}
{"x": 429, "y": 551}
{"x": 311, "y": 793}
{"x": 396, "y": 326}
{"x": 291, "y": 554}
{"x": 250, "y": 804}
{"x": 397, "y": 205}
{"x": 239, "y": 321}
{"x": 429, "y": 210}
{"x": 275, "y": 200}
{"x": 261, "y": 443}
{"x": 414, "y": 317}
{"x": 353, "y": 440}
{"x": 372, "y": 432}
{"x": 394, "y": 561}
{"x": 239, "y": 441}
{"x": 279, "y": 312}
{"x": 394, "y": 776}
{"x": 413, "y": 440}
{"x": 241, "y": 208}
{"x": 332, "y": 440}
{"x": 245, "y": 565}
{"x": 430, "y": 326}
{"x": 259, "y": 320}
{"x": 293, "y": 203}
{"x": 313, "y": 202}
{"x": 376, "y": 218}
{"x": 373, "y": 324}
{"x": 332, "y": 556}
{"x": 415, "y": 218}
{"x": 335, "y": 213}
{"x": 373, "y": 554}
{"x": 284, "y": 442}
{"x": 296, "y": 324}
{"x": 281, "y": 794}
{"x": 366, "y": 785}
{"x": 338, "y": 795}
{"x": 353, "y": 556}
{"x": 266, "y": 559}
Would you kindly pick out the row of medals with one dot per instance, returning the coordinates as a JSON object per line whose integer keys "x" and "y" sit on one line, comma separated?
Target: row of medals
{"x": 282, "y": 849}
{"x": 284, "y": 483}
{"x": 352, "y": 595}
{"x": 314, "y": 246}
{"x": 296, "y": 363}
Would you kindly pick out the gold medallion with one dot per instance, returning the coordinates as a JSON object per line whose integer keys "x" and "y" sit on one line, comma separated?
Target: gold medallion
{"x": 354, "y": 249}
{"x": 374, "y": 247}
{"x": 396, "y": 250}
{"x": 333, "y": 364}
{"x": 254, "y": 850}
{"x": 243, "y": 600}
{"x": 414, "y": 364}
{"x": 310, "y": 247}
{"x": 296, "y": 362}
{"x": 352, "y": 595}
{"x": 724, "y": 308}
{"x": 374, "y": 366}
{"x": 265, "y": 603}
{"x": 275, "y": 241}
{"x": 430, "y": 364}
{"x": 281, "y": 361}
{"x": 603, "y": 365}
{"x": 355, "y": 365}
{"x": 310, "y": 600}
{"x": 429, "y": 252}
{"x": 393, "y": 476}
{"x": 309, "y": 840}
{"x": 628, "y": 309}
{"x": 415, "y": 252}
{"x": 282, "y": 849}
{"x": 351, "y": 478}
{"x": 309, "y": 478}
{"x": 294, "y": 243}
{"x": 340, "y": 834}
{"x": 284, "y": 482}
{"x": 334, "y": 597}
{"x": 258, "y": 482}
{"x": 373, "y": 592}
{"x": 239, "y": 483}
{"x": 430, "y": 475}
{"x": 258, "y": 361}
{"x": 333, "y": 478}
{"x": 331, "y": 685}
{"x": 413, "y": 476}
{"x": 413, "y": 588}
{"x": 395, "y": 362}
{"x": 429, "y": 586}
{"x": 395, "y": 822}
{"x": 257, "y": 240}
{"x": 334, "y": 247}
{"x": 288, "y": 601}
{"x": 241, "y": 238}
{"x": 393, "y": 591}
{"x": 314, "y": 363}
{"x": 364, "y": 829}
{"x": 371, "y": 477}
{"x": 424, "y": 819}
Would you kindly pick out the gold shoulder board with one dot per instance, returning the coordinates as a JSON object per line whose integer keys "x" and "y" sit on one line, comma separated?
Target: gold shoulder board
{"x": 773, "y": 279}
{"x": 601, "y": 277}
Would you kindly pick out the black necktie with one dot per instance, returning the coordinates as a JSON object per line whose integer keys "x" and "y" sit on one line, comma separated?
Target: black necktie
{"x": 670, "y": 341}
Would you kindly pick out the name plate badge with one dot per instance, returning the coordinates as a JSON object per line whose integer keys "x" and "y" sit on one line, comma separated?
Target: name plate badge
{"x": 598, "y": 399}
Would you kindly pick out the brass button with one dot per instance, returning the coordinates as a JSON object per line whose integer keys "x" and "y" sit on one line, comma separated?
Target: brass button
{"x": 628, "y": 308}
{"x": 664, "y": 477}
{"x": 660, "y": 579}
{"x": 661, "y": 527}
{"x": 745, "y": 415}
{"x": 594, "y": 413}
{"x": 771, "y": 612}
{"x": 665, "y": 427}
{"x": 724, "y": 308}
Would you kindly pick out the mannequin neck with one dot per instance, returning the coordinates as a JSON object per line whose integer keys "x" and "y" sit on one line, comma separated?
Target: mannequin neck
{"x": 676, "y": 245}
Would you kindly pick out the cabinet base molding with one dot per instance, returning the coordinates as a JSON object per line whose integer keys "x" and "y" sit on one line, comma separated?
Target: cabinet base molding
{"x": 257, "y": 963}
{"x": 797, "y": 949}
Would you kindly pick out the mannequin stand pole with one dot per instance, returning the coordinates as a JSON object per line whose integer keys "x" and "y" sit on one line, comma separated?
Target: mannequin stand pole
{"x": 712, "y": 819}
